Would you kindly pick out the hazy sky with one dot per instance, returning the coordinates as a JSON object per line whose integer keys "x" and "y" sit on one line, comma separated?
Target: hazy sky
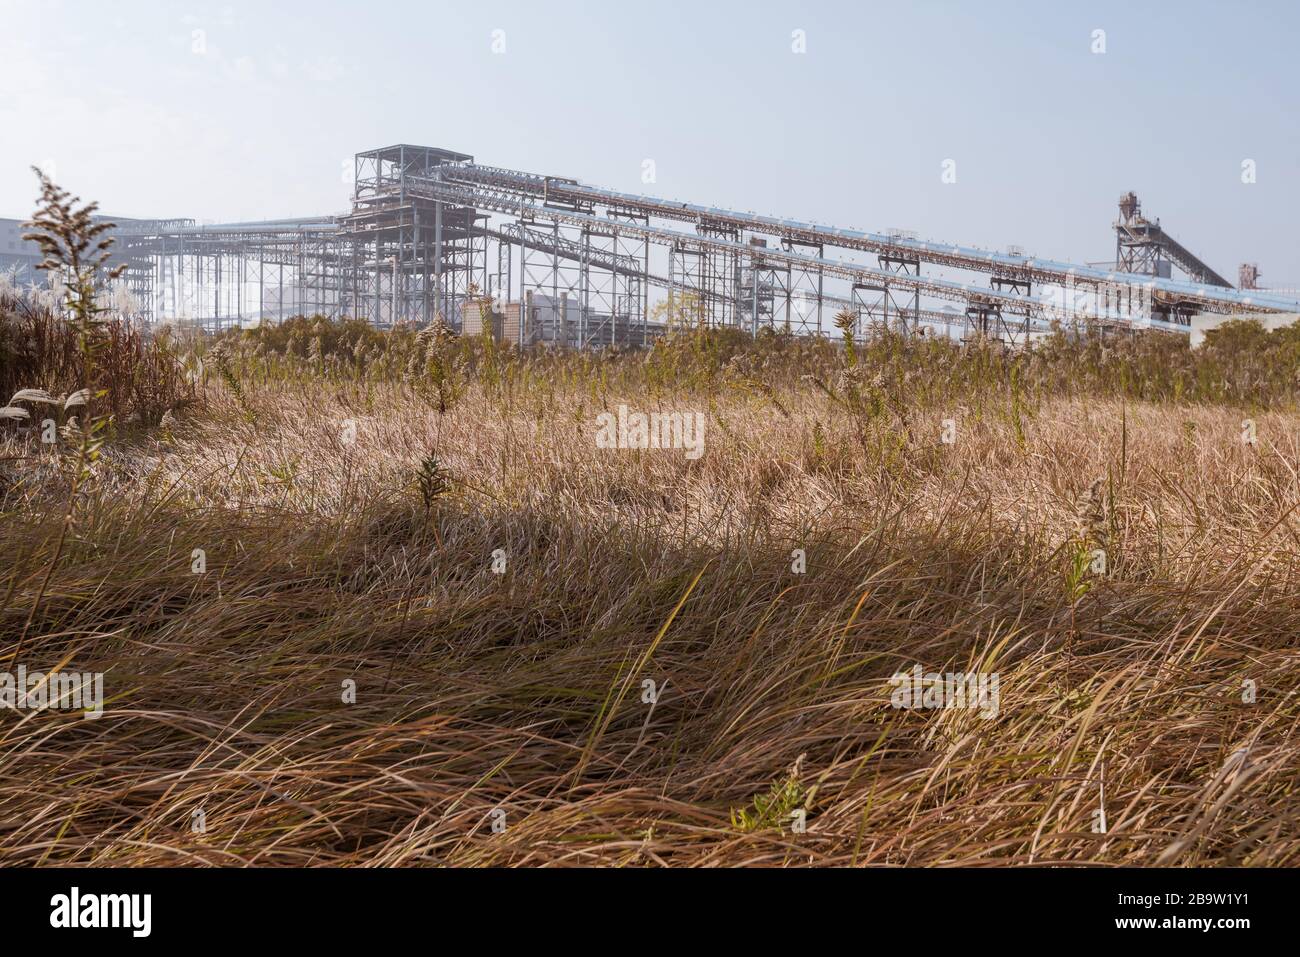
{"x": 1044, "y": 132}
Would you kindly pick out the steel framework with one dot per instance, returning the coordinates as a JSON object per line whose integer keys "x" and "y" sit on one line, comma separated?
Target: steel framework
{"x": 430, "y": 231}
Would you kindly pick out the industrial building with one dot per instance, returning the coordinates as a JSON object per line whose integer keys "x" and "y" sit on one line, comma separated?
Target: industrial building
{"x": 18, "y": 258}
{"x": 431, "y": 233}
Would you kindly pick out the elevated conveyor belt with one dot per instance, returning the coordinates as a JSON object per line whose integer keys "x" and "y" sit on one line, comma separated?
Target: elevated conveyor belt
{"x": 1040, "y": 312}
{"x": 507, "y": 188}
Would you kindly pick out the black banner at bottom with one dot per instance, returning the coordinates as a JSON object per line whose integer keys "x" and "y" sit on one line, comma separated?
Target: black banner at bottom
{"x": 336, "y": 907}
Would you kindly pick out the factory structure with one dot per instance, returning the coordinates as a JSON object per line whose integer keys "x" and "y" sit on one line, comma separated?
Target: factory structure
{"x": 539, "y": 259}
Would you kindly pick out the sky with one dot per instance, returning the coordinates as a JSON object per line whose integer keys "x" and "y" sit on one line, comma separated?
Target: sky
{"x": 847, "y": 113}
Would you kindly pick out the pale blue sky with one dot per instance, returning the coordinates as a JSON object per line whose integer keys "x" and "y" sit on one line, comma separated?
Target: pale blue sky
{"x": 1045, "y": 133}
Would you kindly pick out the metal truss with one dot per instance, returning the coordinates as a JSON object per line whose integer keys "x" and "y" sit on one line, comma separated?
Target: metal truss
{"x": 426, "y": 223}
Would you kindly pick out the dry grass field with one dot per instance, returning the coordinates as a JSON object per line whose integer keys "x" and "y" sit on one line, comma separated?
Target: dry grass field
{"x": 368, "y": 599}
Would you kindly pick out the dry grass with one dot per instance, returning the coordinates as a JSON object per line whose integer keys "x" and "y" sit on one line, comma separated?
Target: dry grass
{"x": 524, "y": 691}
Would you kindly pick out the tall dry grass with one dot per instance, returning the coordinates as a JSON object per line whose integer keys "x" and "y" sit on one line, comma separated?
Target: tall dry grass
{"x": 141, "y": 377}
{"x": 329, "y": 560}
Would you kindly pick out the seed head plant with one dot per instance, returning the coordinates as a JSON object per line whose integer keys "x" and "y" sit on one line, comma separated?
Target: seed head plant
{"x": 75, "y": 253}
{"x": 433, "y": 480}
